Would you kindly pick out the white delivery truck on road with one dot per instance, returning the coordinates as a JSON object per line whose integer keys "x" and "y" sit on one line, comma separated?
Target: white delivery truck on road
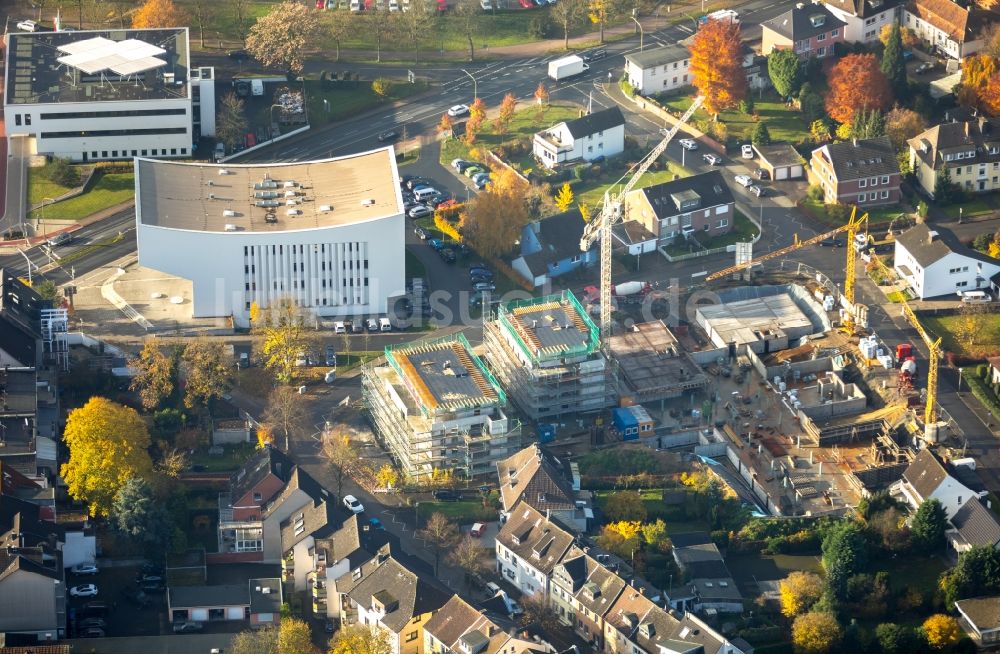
{"x": 561, "y": 69}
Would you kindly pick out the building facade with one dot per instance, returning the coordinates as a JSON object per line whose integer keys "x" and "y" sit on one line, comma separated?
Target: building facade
{"x": 934, "y": 263}
{"x": 864, "y": 19}
{"x": 600, "y": 134}
{"x": 658, "y": 69}
{"x": 969, "y": 151}
{"x": 436, "y": 407}
{"x": 528, "y": 548}
{"x": 550, "y": 248}
{"x": 107, "y": 94}
{"x": 859, "y": 172}
{"x": 810, "y": 29}
{"x": 326, "y": 235}
{"x": 697, "y": 207}
{"x": 953, "y": 30}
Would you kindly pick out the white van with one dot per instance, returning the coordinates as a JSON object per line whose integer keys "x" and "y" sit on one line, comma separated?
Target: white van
{"x": 27, "y": 26}
{"x": 975, "y": 297}
{"x": 384, "y": 325}
{"x": 422, "y": 194}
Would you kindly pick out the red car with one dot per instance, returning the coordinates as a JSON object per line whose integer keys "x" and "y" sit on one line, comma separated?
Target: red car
{"x": 527, "y": 4}
{"x": 442, "y": 5}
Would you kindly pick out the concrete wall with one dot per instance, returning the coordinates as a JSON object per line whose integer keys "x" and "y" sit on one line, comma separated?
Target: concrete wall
{"x": 812, "y": 366}
{"x": 705, "y": 357}
{"x": 821, "y": 412}
{"x": 230, "y": 436}
{"x": 733, "y": 454}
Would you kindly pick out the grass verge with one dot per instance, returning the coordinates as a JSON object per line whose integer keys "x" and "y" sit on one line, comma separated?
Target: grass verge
{"x": 109, "y": 190}
{"x": 785, "y": 124}
{"x": 987, "y": 338}
{"x": 822, "y": 213}
{"x": 463, "y": 512}
{"x": 344, "y": 99}
{"x": 40, "y": 187}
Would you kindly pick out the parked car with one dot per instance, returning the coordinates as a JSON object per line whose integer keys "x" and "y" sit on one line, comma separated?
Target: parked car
{"x": 831, "y": 243}
{"x": 475, "y": 299}
{"x": 153, "y": 587}
{"x": 331, "y": 355}
{"x": 472, "y": 171}
{"x": 372, "y": 325}
{"x": 458, "y": 110}
{"x": 436, "y": 243}
{"x": 415, "y": 182}
{"x": 328, "y": 627}
{"x": 355, "y": 326}
{"x": 448, "y": 255}
{"x": 420, "y": 211}
{"x": 484, "y": 286}
{"x": 92, "y": 622}
{"x": 238, "y": 55}
{"x": 923, "y": 68}
{"x": 688, "y": 144}
{"x": 84, "y": 590}
{"x": 747, "y": 151}
{"x": 762, "y": 173}
{"x": 421, "y": 233}
{"x": 95, "y": 608}
{"x": 526, "y": 4}
{"x": 759, "y": 191}
{"x": 92, "y": 632}
{"x": 711, "y": 159}
{"x": 375, "y": 523}
{"x": 594, "y": 55}
{"x": 460, "y": 164}
{"x": 480, "y": 267}
{"x": 353, "y": 505}
{"x": 146, "y": 578}
{"x": 187, "y": 626}
{"x": 492, "y": 588}
{"x": 389, "y": 135}
{"x": 445, "y": 203}
{"x": 84, "y": 569}
{"x": 743, "y": 180}
{"x": 445, "y": 495}
{"x": 485, "y": 5}
{"x": 27, "y": 26}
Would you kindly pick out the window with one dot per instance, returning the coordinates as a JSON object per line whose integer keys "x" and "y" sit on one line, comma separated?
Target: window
{"x": 17, "y": 119}
{"x": 675, "y": 65}
{"x": 134, "y": 152}
{"x": 885, "y": 179}
{"x": 863, "y": 183}
{"x": 686, "y": 79}
{"x": 144, "y": 152}
{"x": 114, "y": 153}
{"x": 412, "y": 636}
{"x": 94, "y": 154}
{"x": 835, "y": 33}
{"x": 722, "y": 223}
{"x": 27, "y": 119}
{"x": 104, "y": 154}
{"x": 820, "y": 52}
{"x": 173, "y": 150}
{"x": 885, "y": 195}
{"x": 675, "y": 80}
{"x": 821, "y": 37}
{"x": 874, "y": 181}
{"x": 257, "y": 497}
{"x": 861, "y": 197}
{"x": 707, "y": 226}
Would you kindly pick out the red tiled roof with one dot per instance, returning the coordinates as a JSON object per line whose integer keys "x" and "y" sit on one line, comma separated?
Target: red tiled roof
{"x": 945, "y": 15}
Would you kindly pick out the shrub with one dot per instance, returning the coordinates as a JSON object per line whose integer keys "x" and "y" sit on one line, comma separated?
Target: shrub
{"x": 985, "y": 396}
{"x": 540, "y": 26}
{"x": 60, "y": 171}
{"x": 815, "y": 193}
{"x": 580, "y": 172}
{"x": 922, "y": 209}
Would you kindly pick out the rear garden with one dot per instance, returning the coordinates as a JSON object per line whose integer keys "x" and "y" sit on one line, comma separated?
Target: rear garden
{"x": 786, "y": 124}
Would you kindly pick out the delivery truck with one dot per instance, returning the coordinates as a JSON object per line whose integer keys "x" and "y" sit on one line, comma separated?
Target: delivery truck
{"x": 567, "y": 67}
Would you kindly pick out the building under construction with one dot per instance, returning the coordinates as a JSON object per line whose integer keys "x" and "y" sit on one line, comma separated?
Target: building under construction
{"x": 435, "y": 406}
{"x": 546, "y": 353}
{"x": 652, "y": 366}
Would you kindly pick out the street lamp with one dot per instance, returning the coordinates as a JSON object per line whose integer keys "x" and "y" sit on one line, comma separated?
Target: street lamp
{"x": 642, "y": 32}
{"x": 475, "y": 86}
{"x": 29, "y": 262}
{"x": 959, "y": 380}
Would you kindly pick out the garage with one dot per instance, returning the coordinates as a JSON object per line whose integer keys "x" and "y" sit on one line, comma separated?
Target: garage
{"x": 257, "y": 600}
{"x": 781, "y": 161}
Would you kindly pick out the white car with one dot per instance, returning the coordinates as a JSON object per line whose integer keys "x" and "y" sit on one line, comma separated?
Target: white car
{"x": 353, "y": 505}
{"x": 458, "y": 110}
{"x": 420, "y": 211}
{"x": 84, "y": 569}
{"x": 688, "y": 144}
{"x": 743, "y": 180}
{"x": 83, "y": 590}
{"x": 711, "y": 159}
{"x": 486, "y": 5}
{"x": 747, "y": 150}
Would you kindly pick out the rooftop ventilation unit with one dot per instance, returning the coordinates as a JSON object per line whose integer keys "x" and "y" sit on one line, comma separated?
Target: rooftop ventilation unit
{"x": 223, "y": 171}
{"x": 290, "y": 194}
{"x": 291, "y": 203}
{"x": 270, "y": 218}
{"x": 211, "y": 196}
{"x": 291, "y": 184}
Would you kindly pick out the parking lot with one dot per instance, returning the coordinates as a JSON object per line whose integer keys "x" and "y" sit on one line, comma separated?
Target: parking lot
{"x": 122, "y": 618}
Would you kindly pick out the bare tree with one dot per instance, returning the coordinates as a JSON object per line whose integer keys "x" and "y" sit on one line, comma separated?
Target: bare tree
{"x": 416, "y": 23}
{"x": 467, "y": 16}
{"x": 342, "y": 458}
{"x": 540, "y": 613}
{"x": 202, "y": 13}
{"x": 380, "y": 25}
{"x": 342, "y": 24}
{"x": 469, "y": 555}
{"x": 441, "y": 533}
{"x": 566, "y": 13}
{"x": 231, "y": 123}
{"x": 286, "y": 412}
{"x": 241, "y": 17}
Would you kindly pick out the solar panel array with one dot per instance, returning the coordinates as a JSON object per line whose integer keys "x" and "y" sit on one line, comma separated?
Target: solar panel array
{"x": 120, "y": 57}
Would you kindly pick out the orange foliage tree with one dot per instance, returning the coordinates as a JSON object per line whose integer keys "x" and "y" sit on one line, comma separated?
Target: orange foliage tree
{"x": 990, "y": 94}
{"x": 159, "y": 13}
{"x": 477, "y": 116}
{"x": 857, "y": 83}
{"x": 717, "y": 65}
{"x": 977, "y": 75}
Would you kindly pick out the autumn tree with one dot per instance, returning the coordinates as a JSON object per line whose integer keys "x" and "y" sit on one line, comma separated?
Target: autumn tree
{"x": 281, "y": 38}
{"x": 341, "y": 25}
{"x": 386, "y": 476}
{"x": 256, "y": 641}
{"x": 990, "y": 94}
{"x": 154, "y": 374}
{"x": 785, "y": 70}
{"x": 495, "y": 217}
{"x": 284, "y": 335}
{"x": 973, "y": 320}
{"x": 901, "y": 125}
{"x": 445, "y": 124}
{"x": 654, "y": 534}
{"x": 566, "y": 14}
{"x": 539, "y": 614}
{"x": 601, "y": 12}
{"x": 541, "y": 94}
{"x": 108, "y": 445}
{"x": 819, "y": 130}
{"x": 856, "y": 82}
{"x": 469, "y": 555}
{"x": 138, "y": 516}
{"x": 440, "y": 533}
{"x": 625, "y": 505}
{"x": 286, "y": 413}
{"x": 717, "y": 65}
{"x": 816, "y": 633}
{"x": 156, "y": 14}
{"x": 477, "y": 117}
{"x": 621, "y": 538}
{"x": 208, "y": 372}
{"x": 799, "y": 591}
{"x": 202, "y": 14}
{"x": 908, "y": 37}
{"x": 942, "y": 631}
{"x": 231, "y": 122}
{"x": 505, "y": 114}
{"x": 295, "y": 637}
{"x": 564, "y": 199}
{"x": 361, "y": 639}
{"x": 341, "y": 457}
{"x": 893, "y": 64}
{"x": 381, "y": 87}
{"x": 977, "y": 72}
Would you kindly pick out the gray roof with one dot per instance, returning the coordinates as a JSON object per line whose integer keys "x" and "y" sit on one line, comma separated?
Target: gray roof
{"x": 862, "y": 158}
{"x": 925, "y": 473}
{"x": 539, "y": 541}
{"x": 865, "y": 8}
{"x": 533, "y": 477}
{"x": 977, "y": 524}
{"x": 414, "y": 593}
{"x": 208, "y": 596}
{"x": 265, "y": 602}
{"x": 710, "y": 187}
{"x": 978, "y": 134}
{"x": 559, "y": 236}
{"x": 983, "y": 612}
{"x": 917, "y": 241}
{"x": 798, "y": 24}
{"x": 266, "y": 461}
{"x": 780, "y": 154}
{"x": 659, "y": 56}
{"x": 595, "y": 122}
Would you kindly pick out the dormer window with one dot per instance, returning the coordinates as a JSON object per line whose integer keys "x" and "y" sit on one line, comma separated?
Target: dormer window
{"x": 817, "y": 20}
{"x": 257, "y": 497}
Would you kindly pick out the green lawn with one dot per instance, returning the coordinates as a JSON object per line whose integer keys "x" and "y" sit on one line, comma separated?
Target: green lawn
{"x": 821, "y": 213}
{"x": 350, "y": 98}
{"x": 988, "y": 339}
{"x": 463, "y": 512}
{"x": 970, "y": 209}
{"x": 40, "y": 188}
{"x": 785, "y": 124}
{"x": 591, "y": 191}
{"x": 743, "y": 231}
{"x": 231, "y": 459}
{"x": 107, "y": 192}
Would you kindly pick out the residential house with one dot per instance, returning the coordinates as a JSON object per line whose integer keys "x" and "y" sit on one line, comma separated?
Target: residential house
{"x": 858, "y": 172}
{"x": 657, "y": 70}
{"x": 386, "y": 594}
{"x": 974, "y": 525}
{"x": 460, "y": 627}
{"x": 265, "y": 492}
{"x": 698, "y": 206}
{"x": 926, "y": 478}
{"x": 952, "y": 29}
{"x": 810, "y": 29}
{"x": 934, "y": 263}
{"x": 864, "y": 19}
{"x": 707, "y": 582}
{"x": 600, "y": 134}
{"x": 29, "y": 419}
{"x": 257, "y": 600}
{"x": 299, "y": 533}
{"x": 528, "y": 548}
{"x": 32, "y": 580}
{"x": 755, "y": 68}
{"x": 538, "y": 479}
{"x": 583, "y": 590}
{"x": 550, "y": 248}
{"x": 20, "y": 323}
{"x": 968, "y": 150}
{"x": 980, "y": 619}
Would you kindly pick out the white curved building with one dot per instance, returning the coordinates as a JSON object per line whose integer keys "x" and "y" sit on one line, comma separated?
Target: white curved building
{"x": 329, "y": 234}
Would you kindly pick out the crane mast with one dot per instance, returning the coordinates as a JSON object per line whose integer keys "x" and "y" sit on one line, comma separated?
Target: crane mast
{"x": 611, "y": 213}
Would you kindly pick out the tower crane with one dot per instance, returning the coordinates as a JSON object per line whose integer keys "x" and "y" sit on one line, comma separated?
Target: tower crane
{"x": 933, "y": 349}
{"x": 853, "y": 227}
{"x": 611, "y": 214}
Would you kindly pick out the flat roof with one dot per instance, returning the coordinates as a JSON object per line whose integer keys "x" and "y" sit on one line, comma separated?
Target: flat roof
{"x": 742, "y": 321}
{"x": 444, "y": 375}
{"x": 265, "y": 602}
{"x": 268, "y": 197}
{"x": 651, "y": 360}
{"x": 552, "y": 326}
{"x": 97, "y": 66}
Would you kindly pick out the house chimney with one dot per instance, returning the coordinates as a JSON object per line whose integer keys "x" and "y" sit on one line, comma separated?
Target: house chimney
{"x": 931, "y": 236}
{"x": 854, "y": 140}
